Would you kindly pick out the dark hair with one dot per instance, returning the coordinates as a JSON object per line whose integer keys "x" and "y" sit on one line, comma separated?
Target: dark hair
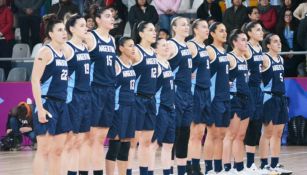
{"x": 212, "y": 28}
{"x": 280, "y": 27}
{"x": 71, "y": 22}
{"x": 164, "y": 30}
{"x": 155, "y": 44}
{"x": 137, "y": 28}
{"x": 195, "y": 24}
{"x": 251, "y": 9}
{"x": 120, "y": 42}
{"x": 86, "y": 17}
{"x": 51, "y": 21}
{"x": 137, "y": 4}
{"x": 267, "y": 40}
{"x": 234, "y": 34}
{"x": 96, "y": 11}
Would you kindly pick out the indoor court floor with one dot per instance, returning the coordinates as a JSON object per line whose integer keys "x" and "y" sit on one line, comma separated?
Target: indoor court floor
{"x": 19, "y": 162}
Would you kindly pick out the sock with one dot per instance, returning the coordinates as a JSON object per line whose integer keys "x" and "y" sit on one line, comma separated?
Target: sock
{"x": 217, "y": 166}
{"x": 264, "y": 162}
{"x": 129, "y": 172}
{"x": 208, "y": 166}
{"x": 195, "y": 165}
{"x": 71, "y": 173}
{"x": 234, "y": 166}
{"x": 227, "y": 166}
{"x": 274, "y": 161}
{"x": 250, "y": 159}
{"x": 83, "y": 172}
{"x": 239, "y": 166}
{"x": 143, "y": 170}
{"x": 167, "y": 172}
{"x": 189, "y": 163}
{"x": 172, "y": 170}
{"x": 150, "y": 172}
{"x": 181, "y": 169}
{"x": 98, "y": 172}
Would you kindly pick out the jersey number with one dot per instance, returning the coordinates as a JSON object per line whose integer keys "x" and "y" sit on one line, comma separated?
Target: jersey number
{"x": 109, "y": 60}
{"x": 172, "y": 84}
{"x": 190, "y": 63}
{"x": 132, "y": 83}
{"x": 153, "y": 72}
{"x": 87, "y": 68}
{"x": 227, "y": 69}
{"x": 281, "y": 77}
{"x": 208, "y": 64}
{"x": 64, "y": 75}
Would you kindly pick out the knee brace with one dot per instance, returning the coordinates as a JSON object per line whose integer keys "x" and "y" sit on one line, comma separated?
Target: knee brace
{"x": 182, "y": 142}
{"x": 114, "y": 147}
{"x": 123, "y": 154}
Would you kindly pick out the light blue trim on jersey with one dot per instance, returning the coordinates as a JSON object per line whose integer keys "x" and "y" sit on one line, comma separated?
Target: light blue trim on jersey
{"x": 266, "y": 97}
{"x": 92, "y": 72}
{"x": 175, "y": 72}
{"x": 45, "y": 86}
{"x": 137, "y": 84}
{"x": 194, "y": 81}
{"x": 117, "y": 91}
{"x": 158, "y": 100}
{"x": 268, "y": 87}
{"x": 233, "y": 86}
{"x": 70, "y": 87}
{"x": 212, "y": 88}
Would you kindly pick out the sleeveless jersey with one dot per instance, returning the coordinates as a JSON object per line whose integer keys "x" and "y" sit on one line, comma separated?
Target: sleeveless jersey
{"x": 219, "y": 68}
{"x": 273, "y": 76}
{"x": 165, "y": 86}
{"x": 254, "y": 66}
{"x": 146, "y": 73}
{"x": 125, "y": 81}
{"x": 181, "y": 65}
{"x": 54, "y": 79}
{"x": 239, "y": 76}
{"x": 103, "y": 57}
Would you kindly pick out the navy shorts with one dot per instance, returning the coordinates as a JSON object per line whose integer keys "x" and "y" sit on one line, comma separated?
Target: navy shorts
{"x": 201, "y": 106}
{"x": 240, "y": 105}
{"x": 256, "y": 102}
{"x": 124, "y": 122}
{"x": 103, "y": 104}
{"x": 146, "y": 113}
{"x": 60, "y": 121}
{"x": 80, "y": 111}
{"x": 275, "y": 109}
{"x": 220, "y": 113}
{"x": 184, "y": 107}
{"x": 165, "y": 125}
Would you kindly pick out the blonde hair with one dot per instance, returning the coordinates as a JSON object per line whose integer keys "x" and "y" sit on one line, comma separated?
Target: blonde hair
{"x": 174, "y": 23}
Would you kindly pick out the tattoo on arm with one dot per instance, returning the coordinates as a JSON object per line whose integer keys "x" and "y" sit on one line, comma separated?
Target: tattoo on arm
{"x": 40, "y": 59}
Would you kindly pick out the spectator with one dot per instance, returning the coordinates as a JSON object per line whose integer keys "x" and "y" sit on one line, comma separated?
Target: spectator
{"x": 287, "y": 31}
{"x": 253, "y": 14}
{"x": 20, "y": 121}
{"x": 90, "y": 24}
{"x": 6, "y": 30}
{"x": 63, "y": 7}
{"x": 120, "y": 14}
{"x": 268, "y": 15}
{"x": 235, "y": 16}
{"x": 287, "y": 5}
{"x": 300, "y": 11}
{"x": 167, "y": 11}
{"x": 302, "y": 37}
{"x": 163, "y": 33}
{"x": 142, "y": 11}
{"x": 29, "y": 20}
{"x": 210, "y": 9}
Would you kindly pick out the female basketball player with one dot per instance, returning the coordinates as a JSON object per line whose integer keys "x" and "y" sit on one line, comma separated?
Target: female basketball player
{"x": 220, "y": 97}
{"x": 49, "y": 86}
{"x": 102, "y": 52}
{"x": 181, "y": 64}
{"x": 78, "y": 98}
{"x": 123, "y": 124}
{"x": 239, "y": 95}
{"x": 254, "y": 59}
{"x": 275, "y": 113}
{"x": 200, "y": 90}
{"x": 165, "y": 99}
{"x": 146, "y": 67}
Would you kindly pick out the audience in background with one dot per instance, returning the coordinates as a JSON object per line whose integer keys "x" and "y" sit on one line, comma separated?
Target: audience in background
{"x": 268, "y": 15}
{"x": 235, "y": 16}
{"x": 301, "y": 10}
{"x": 63, "y": 7}
{"x": 210, "y": 9}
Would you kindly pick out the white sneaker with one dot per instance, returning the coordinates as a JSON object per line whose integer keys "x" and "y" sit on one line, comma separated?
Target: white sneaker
{"x": 267, "y": 170}
{"x": 280, "y": 169}
{"x": 253, "y": 170}
{"x": 211, "y": 172}
{"x": 232, "y": 172}
{"x": 223, "y": 173}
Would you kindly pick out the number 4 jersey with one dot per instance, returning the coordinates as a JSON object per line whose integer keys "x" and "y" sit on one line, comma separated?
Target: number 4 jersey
{"x": 54, "y": 79}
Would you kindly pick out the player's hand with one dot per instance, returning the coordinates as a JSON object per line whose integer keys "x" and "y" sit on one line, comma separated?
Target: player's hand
{"x": 42, "y": 116}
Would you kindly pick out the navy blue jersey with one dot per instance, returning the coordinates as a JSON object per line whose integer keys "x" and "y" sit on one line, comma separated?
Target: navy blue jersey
{"x": 201, "y": 67}
{"x": 146, "y": 72}
{"x": 238, "y": 75}
{"x": 254, "y": 66}
{"x": 79, "y": 68}
{"x": 125, "y": 81}
{"x": 103, "y": 57}
{"x": 273, "y": 76}
{"x": 181, "y": 65}
{"x": 219, "y": 69}
{"x": 54, "y": 79}
{"x": 165, "y": 86}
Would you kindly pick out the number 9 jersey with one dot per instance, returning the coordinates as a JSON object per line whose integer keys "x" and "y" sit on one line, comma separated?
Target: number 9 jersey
{"x": 54, "y": 80}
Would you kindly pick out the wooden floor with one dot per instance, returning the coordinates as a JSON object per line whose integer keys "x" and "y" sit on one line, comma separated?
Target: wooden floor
{"x": 20, "y": 162}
